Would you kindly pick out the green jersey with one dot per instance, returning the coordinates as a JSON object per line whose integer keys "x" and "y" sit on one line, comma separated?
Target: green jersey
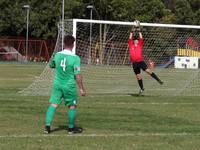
{"x": 66, "y": 65}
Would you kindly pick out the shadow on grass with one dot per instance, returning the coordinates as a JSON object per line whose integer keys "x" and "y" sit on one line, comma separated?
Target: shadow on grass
{"x": 60, "y": 128}
{"x": 121, "y": 94}
{"x": 137, "y": 95}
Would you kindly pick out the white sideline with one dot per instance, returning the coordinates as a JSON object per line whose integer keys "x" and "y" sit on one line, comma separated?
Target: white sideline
{"x": 99, "y": 135}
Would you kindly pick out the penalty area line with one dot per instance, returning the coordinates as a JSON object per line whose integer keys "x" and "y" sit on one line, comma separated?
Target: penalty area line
{"x": 98, "y": 135}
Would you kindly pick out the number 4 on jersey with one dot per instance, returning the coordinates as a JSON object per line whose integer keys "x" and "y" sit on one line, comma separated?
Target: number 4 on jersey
{"x": 63, "y": 64}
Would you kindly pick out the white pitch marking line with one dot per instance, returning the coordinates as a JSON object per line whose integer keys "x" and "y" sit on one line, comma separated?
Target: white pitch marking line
{"x": 123, "y": 103}
{"x": 98, "y": 135}
{"x": 131, "y": 103}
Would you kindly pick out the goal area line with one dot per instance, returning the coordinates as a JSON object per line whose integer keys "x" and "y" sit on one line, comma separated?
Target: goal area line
{"x": 99, "y": 135}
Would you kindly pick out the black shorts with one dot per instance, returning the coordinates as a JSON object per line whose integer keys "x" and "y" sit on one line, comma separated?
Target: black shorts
{"x": 138, "y": 66}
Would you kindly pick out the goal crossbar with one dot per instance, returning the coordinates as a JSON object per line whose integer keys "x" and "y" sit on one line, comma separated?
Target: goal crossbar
{"x": 142, "y": 24}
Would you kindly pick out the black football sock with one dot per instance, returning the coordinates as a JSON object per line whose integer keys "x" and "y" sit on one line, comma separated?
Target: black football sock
{"x": 153, "y": 75}
{"x": 140, "y": 82}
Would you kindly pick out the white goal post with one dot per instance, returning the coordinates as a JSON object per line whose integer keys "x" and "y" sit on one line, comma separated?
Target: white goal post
{"x": 106, "y": 66}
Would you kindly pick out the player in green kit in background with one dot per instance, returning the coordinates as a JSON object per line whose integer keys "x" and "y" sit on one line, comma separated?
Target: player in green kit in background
{"x": 67, "y": 75}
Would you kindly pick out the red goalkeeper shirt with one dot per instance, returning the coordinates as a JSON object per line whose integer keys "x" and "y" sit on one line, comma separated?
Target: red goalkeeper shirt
{"x": 136, "y": 51}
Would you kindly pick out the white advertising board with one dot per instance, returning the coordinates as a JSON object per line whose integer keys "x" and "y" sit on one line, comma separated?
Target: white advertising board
{"x": 187, "y": 62}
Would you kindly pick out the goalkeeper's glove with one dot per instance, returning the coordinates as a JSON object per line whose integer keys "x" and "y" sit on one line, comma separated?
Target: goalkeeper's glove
{"x": 138, "y": 29}
{"x": 133, "y": 30}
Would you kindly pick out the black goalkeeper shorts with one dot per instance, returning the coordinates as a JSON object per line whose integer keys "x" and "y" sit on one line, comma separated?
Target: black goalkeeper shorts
{"x": 138, "y": 66}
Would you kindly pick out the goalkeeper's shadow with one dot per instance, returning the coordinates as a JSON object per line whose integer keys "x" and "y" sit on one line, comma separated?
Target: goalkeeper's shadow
{"x": 137, "y": 95}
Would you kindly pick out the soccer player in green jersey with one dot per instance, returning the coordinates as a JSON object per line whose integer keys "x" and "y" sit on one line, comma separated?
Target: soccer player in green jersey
{"x": 67, "y": 74}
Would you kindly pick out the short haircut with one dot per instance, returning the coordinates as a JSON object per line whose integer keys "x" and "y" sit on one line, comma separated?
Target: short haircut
{"x": 69, "y": 41}
{"x": 135, "y": 38}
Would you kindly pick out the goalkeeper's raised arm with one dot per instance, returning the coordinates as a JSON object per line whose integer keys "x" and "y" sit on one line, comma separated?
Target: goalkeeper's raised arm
{"x": 140, "y": 35}
{"x": 131, "y": 34}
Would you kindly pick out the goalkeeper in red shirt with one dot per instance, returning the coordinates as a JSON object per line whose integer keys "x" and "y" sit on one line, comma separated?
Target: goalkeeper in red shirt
{"x": 135, "y": 46}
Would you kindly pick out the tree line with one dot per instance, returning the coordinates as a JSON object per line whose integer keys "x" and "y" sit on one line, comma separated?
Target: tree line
{"x": 45, "y": 15}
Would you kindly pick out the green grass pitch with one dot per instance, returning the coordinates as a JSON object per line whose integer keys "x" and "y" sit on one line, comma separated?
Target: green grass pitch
{"x": 111, "y": 122}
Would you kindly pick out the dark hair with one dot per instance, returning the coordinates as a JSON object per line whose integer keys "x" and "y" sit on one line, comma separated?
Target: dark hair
{"x": 135, "y": 38}
{"x": 69, "y": 41}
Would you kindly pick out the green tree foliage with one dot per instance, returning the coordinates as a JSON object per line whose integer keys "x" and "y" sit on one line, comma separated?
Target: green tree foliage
{"x": 11, "y": 18}
{"x": 183, "y": 12}
{"x": 46, "y": 14}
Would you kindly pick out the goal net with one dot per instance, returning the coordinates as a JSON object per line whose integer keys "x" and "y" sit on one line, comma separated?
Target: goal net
{"x": 106, "y": 67}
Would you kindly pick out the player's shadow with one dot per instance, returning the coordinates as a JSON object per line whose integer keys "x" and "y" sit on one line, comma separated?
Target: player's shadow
{"x": 137, "y": 95}
{"x": 59, "y": 128}
{"x": 134, "y": 95}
